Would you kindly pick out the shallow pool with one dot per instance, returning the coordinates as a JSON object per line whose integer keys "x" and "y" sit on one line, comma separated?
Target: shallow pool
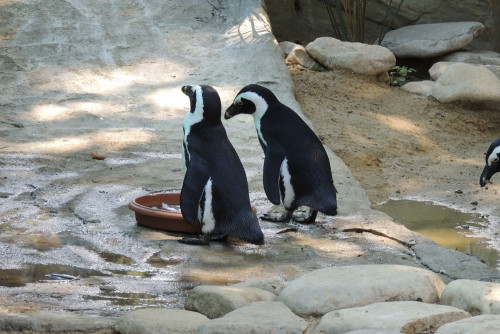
{"x": 448, "y": 227}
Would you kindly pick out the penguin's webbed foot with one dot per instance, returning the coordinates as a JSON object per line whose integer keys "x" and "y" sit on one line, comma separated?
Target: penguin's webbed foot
{"x": 284, "y": 217}
{"x": 204, "y": 239}
{"x": 309, "y": 219}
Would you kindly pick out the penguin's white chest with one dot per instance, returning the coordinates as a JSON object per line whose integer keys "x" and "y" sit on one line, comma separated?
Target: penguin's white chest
{"x": 205, "y": 210}
{"x": 289, "y": 194}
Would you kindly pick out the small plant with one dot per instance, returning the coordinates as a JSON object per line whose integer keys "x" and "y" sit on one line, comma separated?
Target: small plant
{"x": 399, "y": 74}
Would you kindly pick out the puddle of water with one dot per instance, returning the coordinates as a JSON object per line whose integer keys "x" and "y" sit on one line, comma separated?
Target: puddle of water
{"x": 448, "y": 227}
{"x": 39, "y": 272}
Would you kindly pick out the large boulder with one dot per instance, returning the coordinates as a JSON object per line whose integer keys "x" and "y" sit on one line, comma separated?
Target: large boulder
{"x": 152, "y": 320}
{"x": 431, "y": 40}
{"x": 328, "y": 289}
{"x": 467, "y": 83}
{"x": 357, "y": 57}
{"x": 407, "y": 317}
{"x": 259, "y": 317}
{"x": 216, "y": 301}
{"x": 475, "y": 297}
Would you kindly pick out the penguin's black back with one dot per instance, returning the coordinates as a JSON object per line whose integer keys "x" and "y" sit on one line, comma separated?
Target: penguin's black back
{"x": 308, "y": 161}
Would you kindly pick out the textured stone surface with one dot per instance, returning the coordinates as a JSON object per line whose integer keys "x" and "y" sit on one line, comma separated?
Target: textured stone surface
{"x": 474, "y": 297}
{"x": 407, "y": 317}
{"x": 483, "y": 324}
{"x": 311, "y": 20}
{"x": 269, "y": 284}
{"x": 438, "y": 68}
{"x": 325, "y": 290}
{"x": 431, "y": 40}
{"x": 260, "y": 317}
{"x": 152, "y": 321}
{"x": 52, "y": 322}
{"x": 465, "y": 82}
{"x": 357, "y": 57}
{"x": 480, "y": 57}
{"x": 216, "y": 301}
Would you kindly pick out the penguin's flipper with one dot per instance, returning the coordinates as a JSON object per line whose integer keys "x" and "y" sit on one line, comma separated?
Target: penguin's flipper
{"x": 195, "y": 180}
{"x": 272, "y": 165}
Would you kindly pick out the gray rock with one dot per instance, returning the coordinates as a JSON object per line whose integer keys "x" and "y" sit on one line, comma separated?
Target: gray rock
{"x": 357, "y": 57}
{"x": 474, "y": 297}
{"x": 53, "y": 322}
{"x": 216, "y": 301}
{"x": 269, "y": 284}
{"x": 483, "y": 324}
{"x": 260, "y": 317}
{"x": 406, "y": 317}
{"x": 153, "y": 320}
{"x": 438, "y": 68}
{"x": 325, "y": 290}
{"x": 452, "y": 263}
{"x": 418, "y": 87}
{"x": 431, "y": 40}
{"x": 480, "y": 57}
{"x": 469, "y": 83}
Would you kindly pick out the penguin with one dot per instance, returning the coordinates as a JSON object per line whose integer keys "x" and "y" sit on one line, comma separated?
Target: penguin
{"x": 492, "y": 163}
{"x": 296, "y": 166}
{"x": 215, "y": 189}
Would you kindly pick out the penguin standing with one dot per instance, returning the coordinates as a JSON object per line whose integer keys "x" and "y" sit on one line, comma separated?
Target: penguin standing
{"x": 492, "y": 162}
{"x": 215, "y": 188}
{"x": 296, "y": 167}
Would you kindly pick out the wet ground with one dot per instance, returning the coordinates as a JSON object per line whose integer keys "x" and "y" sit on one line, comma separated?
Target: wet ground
{"x": 89, "y": 77}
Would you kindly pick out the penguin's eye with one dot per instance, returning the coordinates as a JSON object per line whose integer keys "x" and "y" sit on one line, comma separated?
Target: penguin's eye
{"x": 495, "y": 160}
{"x": 238, "y": 103}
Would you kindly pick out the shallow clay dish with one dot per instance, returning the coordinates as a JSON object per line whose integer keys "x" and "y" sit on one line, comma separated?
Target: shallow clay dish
{"x": 148, "y": 213}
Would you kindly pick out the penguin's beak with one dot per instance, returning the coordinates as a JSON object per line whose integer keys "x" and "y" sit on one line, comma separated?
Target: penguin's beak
{"x": 233, "y": 110}
{"x": 187, "y": 90}
{"x": 486, "y": 175}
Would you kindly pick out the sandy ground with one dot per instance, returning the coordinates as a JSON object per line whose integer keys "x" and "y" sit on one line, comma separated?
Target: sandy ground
{"x": 401, "y": 145}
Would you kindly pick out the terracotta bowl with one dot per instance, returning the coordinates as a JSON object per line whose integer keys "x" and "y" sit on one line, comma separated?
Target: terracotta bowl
{"x": 148, "y": 212}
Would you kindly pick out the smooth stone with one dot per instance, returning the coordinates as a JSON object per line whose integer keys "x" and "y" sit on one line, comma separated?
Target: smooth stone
{"x": 259, "y": 317}
{"x": 440, "y": 67}
{"x": 406, "y": 317}
{"x": 482, "y": 324}
{"x": 357, "y": 57}
{"x": 475, "y": 297}
{"x": 154, "y": 320}
{"x": 216, "y": 301}
{"x": 469, "y": 83}
{"x": 418, "y": 87}
{"x": 431, "y": 40}
{"x": 329, "y": 289}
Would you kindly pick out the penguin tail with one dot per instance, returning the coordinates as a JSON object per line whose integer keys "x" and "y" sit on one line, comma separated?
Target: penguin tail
{"x": 248, "y": 229}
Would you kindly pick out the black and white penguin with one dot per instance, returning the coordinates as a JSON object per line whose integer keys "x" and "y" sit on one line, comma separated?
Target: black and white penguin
{"x": 215, "y": 188}
{"x": 492, "y": 163}
{"x": 296, "y": 167}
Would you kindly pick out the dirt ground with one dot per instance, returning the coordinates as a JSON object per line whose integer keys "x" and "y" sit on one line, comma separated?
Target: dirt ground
{"x": 397, "y": 144}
